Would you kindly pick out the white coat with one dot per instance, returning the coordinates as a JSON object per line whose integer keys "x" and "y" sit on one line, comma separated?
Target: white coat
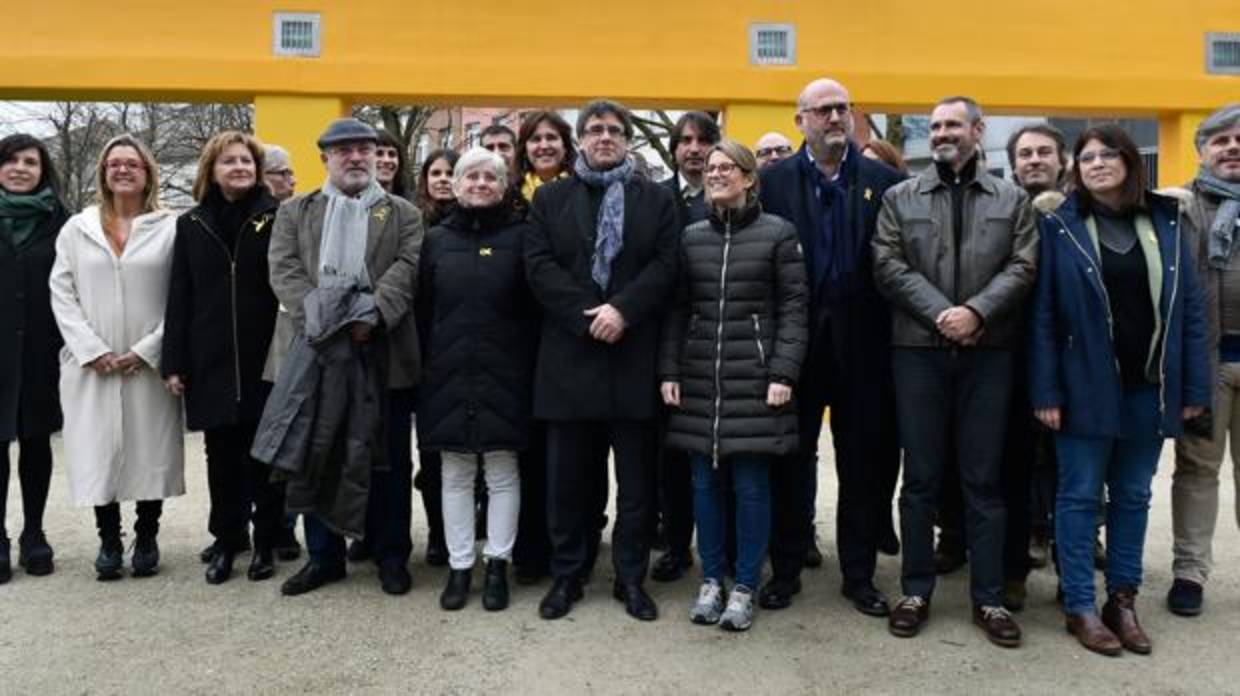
{"x": 122, "y": 434}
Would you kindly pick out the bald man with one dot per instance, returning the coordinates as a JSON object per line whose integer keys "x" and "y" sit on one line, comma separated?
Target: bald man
{"x": 833, "y": 195}
{"x": 771, "y": 148}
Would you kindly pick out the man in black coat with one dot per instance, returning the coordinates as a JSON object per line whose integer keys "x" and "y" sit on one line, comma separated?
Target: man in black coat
{"x": 691, "y": 139}
{"x": 601, "y": 260}
{"x": 833, "y": 195}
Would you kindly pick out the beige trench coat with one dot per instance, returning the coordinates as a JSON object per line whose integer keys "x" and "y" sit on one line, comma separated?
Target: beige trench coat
{"x": 122, "y": 434}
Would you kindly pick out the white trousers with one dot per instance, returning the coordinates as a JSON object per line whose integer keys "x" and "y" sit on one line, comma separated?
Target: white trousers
{"x": 504, "y": 506}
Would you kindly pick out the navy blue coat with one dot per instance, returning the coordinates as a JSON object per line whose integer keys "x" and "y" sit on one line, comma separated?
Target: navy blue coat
{"x": 1072, "y": 362}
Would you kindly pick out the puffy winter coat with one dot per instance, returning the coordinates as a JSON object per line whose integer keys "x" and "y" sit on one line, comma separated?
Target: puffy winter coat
{"x": 479, "y": 326}
{"x": 739, "y": 323}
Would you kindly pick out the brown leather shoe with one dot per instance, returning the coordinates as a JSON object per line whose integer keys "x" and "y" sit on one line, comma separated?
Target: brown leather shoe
{"x": 999, "y": 626}
{"x": 1120, "y": 615}
{"x": 908, "y": 616}
{"x": 1094, "y": 634}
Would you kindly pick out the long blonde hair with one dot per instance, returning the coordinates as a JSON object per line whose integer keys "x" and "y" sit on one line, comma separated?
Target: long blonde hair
{"x": 150, "y": 194}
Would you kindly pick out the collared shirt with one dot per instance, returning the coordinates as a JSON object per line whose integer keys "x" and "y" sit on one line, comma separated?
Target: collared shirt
{"x": 809, "y": 154}
{"x": 687, "y": 190}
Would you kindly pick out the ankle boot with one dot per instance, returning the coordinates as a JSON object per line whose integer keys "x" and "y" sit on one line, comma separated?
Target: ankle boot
{"x": 146, "y": 556}
{"x": 110, "y": 560}
{"x": 262, "y": 565}
{"x": 495, "y": 586}
{"x": 1120, "y": 615}
{"x": 35, "y": 553}
{"x": 456, "y": 592}
{"x": 219, "y": 570}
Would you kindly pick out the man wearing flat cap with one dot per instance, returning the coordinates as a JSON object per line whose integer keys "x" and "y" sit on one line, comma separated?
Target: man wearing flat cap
{"x": 343, "y": 261}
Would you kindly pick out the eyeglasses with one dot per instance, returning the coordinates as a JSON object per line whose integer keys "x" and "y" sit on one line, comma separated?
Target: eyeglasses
{"x": 347, "y": 150}
{"x": 598, "y": 130}
{"x": 774, "y": 150}
{"x": 840, "y": 109}
{"x": 724, "y": 168}
{"x": 1106, "y": 154}
{"x": 282, "y": 173}
{"x": 118, "y": 165}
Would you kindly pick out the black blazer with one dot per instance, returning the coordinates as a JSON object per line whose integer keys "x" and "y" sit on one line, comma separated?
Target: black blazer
{"x": 578, "y": 377}
{"x": 220, "y": 316}
{"x": 688, "y": 211}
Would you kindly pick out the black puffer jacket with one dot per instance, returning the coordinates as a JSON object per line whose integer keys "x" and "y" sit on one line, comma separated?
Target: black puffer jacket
{"x": 221, "y": 312}
{"x": 479, "y": 328}
{"x": 739, "y": 323}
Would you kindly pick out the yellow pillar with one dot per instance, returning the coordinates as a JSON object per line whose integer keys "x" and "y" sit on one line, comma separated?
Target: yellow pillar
{"x": 295, "y": 123}
{"x": 1177, "y": 155}
{"x": 746, "y": 122}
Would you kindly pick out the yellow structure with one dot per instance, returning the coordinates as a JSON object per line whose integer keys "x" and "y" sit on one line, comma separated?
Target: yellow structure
{"x": 1062, "y": 57}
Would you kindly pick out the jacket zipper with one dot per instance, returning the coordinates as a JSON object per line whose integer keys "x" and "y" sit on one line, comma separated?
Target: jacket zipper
{"x": 232, "y": 289}
{"x": 757, "y": 338}
{"x": 723, "y": 276}
{"x": 1166, "y": 329}
{"x": 1106, "y": 298}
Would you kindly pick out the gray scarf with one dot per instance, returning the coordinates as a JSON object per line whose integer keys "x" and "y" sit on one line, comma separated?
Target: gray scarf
{"x": 610, "y": 234}
{"x": 1223, "y": 229}
{"x": 346, "y": 224}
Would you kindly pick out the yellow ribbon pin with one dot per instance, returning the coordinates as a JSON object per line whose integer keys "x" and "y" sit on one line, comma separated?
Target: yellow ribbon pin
{"x": 484, "y": 251}
{"x": 869, "y": 193}
{"x": 261, "y": 223}
{"x": 381, "y": 214}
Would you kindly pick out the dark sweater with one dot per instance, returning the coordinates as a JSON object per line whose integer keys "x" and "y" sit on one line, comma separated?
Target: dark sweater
{"x": 1126, "y": 278}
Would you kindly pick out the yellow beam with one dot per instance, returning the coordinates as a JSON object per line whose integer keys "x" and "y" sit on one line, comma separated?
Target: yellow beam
{"x": 1177, "y": 154}
{"x": 295, "y": 123}
{"x": 746, "y": 122}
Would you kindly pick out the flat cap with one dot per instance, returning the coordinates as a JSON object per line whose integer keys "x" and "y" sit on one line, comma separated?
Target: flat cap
{"x": 344, "y": 130}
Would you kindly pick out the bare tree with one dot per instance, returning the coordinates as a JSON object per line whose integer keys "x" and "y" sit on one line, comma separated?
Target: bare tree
{"x": 405, "y": 122}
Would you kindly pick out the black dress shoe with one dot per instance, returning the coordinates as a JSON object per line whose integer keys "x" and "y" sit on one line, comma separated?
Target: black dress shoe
{"x": 1185, "y": 597}
{"x": 456, "y": 592}
{"x": 778, "y": 593}
{"x": 35, "y": 554}
{"x": 219, "y": 570}
{"x": 208, "y": 552}
{"x": 145, "y": 561}
{"x": 867, "y": 599}
{"x": 436, "y": 555}
{"x": 311, "y": 577}
{"x": 358, "y": 551}
{"x": 262, "y": 566}
{"x": 671, "y": 566}
{"x": 637, "y": 603}
{"x": 110, "y": 561}
{"x": 394, "y": 577}
{"x": 559, "y": 599}
{"x": 495, "y": 586}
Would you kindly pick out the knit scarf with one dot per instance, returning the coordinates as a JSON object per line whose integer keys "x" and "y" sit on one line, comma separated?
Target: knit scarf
{"x": 346, "y": 223}
{"x": 610, "y": 233}
{"x": 21, "y": 213}
{"x": 1223, "y": 229}
{"x": 833, "y": 251}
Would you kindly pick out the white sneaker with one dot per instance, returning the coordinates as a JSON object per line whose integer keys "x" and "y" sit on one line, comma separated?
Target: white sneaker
{"x": 739, "y": 614}
{"x": 709, "y": 605}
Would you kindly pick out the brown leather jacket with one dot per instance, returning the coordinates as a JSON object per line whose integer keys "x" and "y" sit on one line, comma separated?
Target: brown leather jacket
{"x": 919, "y": 269}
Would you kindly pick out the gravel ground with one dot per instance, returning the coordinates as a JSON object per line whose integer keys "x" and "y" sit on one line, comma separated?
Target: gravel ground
{"x": 68, "y": 634}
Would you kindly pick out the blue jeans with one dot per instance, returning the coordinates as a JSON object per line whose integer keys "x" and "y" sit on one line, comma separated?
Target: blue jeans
{"x": 751, "y": 485}
{"x": 1126, "y": 466}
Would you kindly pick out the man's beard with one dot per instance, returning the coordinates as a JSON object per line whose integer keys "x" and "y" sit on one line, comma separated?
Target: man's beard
{"x": 946, "y": 153}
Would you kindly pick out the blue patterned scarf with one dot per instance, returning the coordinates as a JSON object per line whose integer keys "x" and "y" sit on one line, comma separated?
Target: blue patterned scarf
{"x": 610, "y": 234}
{"x": 833, "y": 254}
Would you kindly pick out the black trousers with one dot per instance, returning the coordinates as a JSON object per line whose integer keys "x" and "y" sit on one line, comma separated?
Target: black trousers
{"x": 108, "y": 519}
{"x": 1019, "y": 458}
{"x": 34, "y": 467}
{"x": 429, "y": 481}
{"x": 389, "y": 510}
{"x": 241, "y": 489}
{"x": 951, "y": 397}
{"x": 675, "y": 497}
{"x": 794, "y": 478}
{"x": 532, "y": 551}
{"x": 577, "y": 471}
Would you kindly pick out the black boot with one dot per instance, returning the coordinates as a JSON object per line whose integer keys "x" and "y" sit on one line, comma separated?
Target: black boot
{"x": 219, "y": 570}
{"x": 262, "y": 565}
{"x": 146, "y": 556}
{"x": 35, "y": 553}
{"x": 495, "y": 586}
{"x": 110, "y": 560}
{"x": 456, "y": 592}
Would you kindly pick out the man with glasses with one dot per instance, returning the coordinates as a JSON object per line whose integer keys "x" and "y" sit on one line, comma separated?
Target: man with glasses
{"x": 348, "y": 235}
{"x": 955, "y": 253}
{"x": 600, "y": 256}
{"x": 832, "y": 194}
{"x": 772, "y": 148}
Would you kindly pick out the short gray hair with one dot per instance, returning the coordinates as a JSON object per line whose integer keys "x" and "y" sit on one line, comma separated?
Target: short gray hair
{"x": 1224, "y": 119}
{"x": 971, "y": 108}
{"x": 479, "y": 156}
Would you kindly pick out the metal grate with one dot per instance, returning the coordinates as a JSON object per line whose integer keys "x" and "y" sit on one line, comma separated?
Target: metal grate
{"x": 772, "y": 44}
{"x": 296, "y": 34}
{"x": 1223, "y": 54}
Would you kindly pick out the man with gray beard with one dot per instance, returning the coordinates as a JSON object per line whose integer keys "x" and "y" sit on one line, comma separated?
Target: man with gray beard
{"x": 955, "y": 253}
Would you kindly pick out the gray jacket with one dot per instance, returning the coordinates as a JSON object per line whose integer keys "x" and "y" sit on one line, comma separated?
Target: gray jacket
{"x": 1198, "y": 210}
{"x": 393, "y": 243}
{"x": 919, "y": 269}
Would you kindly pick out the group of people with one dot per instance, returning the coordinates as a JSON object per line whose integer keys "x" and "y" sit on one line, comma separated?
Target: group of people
{"x": 536, "y": 307}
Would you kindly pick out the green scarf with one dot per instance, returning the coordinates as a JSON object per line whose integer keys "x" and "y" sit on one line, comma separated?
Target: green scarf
{"x": 20, "y": 214}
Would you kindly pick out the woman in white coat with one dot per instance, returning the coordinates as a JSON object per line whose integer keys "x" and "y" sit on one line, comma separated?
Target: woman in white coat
{"x": 122, "y": 432}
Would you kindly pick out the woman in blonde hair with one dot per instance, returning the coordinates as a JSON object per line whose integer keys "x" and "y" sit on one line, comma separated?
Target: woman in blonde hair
{"x": 122, "y": 431}
{"x": 217, "y": 330}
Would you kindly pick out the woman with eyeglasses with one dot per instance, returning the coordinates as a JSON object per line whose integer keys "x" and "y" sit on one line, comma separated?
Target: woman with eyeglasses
{"x": 109, "y": 285}
{"x": 1117, "y": 361}
{"x": 31, "y": 216}
{"x": 732, "y": 347}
